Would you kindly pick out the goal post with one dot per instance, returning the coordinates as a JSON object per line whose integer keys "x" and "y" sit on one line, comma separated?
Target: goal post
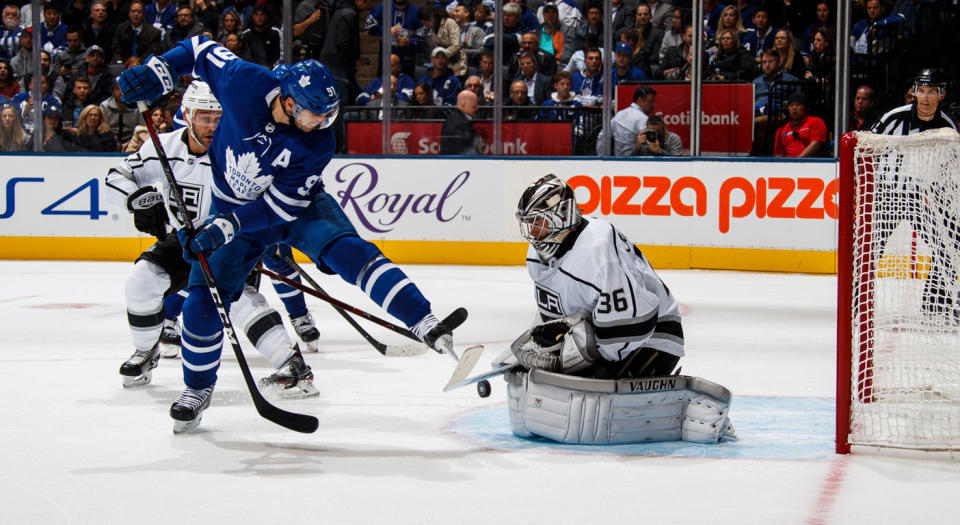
{"x": 898, "y": 327}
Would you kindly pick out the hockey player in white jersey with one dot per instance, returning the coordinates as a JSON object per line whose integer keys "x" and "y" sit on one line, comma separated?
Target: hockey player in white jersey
{"x": 162, "y": 270}
{"x": 587, "y": 273}
{"x": 600, "y": 368}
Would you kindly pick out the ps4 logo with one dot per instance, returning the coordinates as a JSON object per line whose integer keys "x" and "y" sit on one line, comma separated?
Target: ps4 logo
{"x": 549, "y": 301}
{"x": 55, "y": 208}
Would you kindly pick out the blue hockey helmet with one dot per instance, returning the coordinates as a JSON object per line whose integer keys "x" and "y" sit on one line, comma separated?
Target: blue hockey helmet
{"x": 311, "y": 86}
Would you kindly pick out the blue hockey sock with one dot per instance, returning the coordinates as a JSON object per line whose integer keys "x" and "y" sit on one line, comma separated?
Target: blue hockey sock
{"x": 292, "y": 298}
{"x": 202, "y": 339}
{"x": 360, "y": 262}
{"x": 173, "y": 304}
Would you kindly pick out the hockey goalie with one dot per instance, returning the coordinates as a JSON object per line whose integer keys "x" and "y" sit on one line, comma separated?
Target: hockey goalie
{"x": 600, "y": 368}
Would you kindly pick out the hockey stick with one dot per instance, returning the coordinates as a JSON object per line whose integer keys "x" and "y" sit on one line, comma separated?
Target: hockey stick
{"x": 455, "y": 319}
{"x": 299, "y": 422}
{"x": 408, "y": 350}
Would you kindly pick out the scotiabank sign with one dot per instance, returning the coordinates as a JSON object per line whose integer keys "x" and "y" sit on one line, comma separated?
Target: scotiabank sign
{"x": 423, "y": 138}
{"x": 726, "y": 118}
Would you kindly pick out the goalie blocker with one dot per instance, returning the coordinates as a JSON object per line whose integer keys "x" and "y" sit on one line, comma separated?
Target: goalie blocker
{"x": 580, "y": 410}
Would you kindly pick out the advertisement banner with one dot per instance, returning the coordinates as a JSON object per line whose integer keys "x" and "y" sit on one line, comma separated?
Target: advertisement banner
{"x": 726, "y": 118}
{"x": 423, "y": 138}
{"x": 463, "y": 210}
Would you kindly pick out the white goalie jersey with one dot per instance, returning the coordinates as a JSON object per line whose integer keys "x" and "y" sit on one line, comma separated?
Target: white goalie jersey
{"x": 604, "y": 274}
{"x": 143, "y": 168}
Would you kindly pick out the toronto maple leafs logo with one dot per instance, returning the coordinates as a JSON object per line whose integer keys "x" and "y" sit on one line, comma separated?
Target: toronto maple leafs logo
{"x": 243, "y": 175}
{"x": 304, "y": 81}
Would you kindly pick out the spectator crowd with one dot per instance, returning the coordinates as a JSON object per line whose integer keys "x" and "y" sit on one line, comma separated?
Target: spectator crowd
{"x": 440, "y": 51}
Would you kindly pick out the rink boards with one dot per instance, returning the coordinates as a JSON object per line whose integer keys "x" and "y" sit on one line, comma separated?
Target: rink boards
{"x": 770, "y": 215}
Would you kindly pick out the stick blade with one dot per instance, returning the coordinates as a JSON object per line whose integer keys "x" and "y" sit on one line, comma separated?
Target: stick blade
{"x": 407, "y": 350}
{"x": 499, "y": 371}
{"x": 303, "y": 423}
{"x": 468, "y": 359}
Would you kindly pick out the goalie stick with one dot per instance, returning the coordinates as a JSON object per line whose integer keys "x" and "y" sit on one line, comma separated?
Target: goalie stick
{"x": 498, "y": 371}
{"x": 298, "y": 422}
{"x": 407, "y": 350}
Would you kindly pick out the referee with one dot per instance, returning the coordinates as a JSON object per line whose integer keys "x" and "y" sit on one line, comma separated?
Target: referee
{"x": 922, "y": 207}
{"x": 929, "y": 88}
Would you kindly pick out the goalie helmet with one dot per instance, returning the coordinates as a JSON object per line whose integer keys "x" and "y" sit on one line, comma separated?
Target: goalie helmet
{"x": 547, "y": 213}
{"x": 932, "y": 77}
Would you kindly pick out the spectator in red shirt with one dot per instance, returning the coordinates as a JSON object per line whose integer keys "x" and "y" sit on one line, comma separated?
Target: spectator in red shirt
{"x": 804, "y": 135}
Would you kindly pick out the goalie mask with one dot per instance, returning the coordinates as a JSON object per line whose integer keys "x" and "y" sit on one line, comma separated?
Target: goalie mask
{"x": 198, "y": 96}
{"x": 547, "y": 213}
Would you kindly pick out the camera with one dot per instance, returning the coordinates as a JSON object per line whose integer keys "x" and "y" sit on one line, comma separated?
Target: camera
{"x": 651, "y": 135}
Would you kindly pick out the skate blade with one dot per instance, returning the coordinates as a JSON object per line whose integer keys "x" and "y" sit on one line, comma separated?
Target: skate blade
{"x": 180, "y": 427}
{"x": 135, "y": 381}
{"x": 169, "y": 351}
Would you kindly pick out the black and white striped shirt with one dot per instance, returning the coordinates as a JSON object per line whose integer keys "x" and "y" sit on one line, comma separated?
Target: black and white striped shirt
{"x": 904, "y": 121}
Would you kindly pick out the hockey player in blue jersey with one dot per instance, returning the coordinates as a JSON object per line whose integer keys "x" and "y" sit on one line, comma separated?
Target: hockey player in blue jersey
{"x": 267, "y": 158}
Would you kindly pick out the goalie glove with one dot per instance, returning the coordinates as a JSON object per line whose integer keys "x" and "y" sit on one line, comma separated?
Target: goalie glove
{"x": 533, "y": 355}
{"x": 146, "y": 82}
{"x": 579, "y": 348}
{"x": 549, "y": 333}
{"x": 149, "y": 213}
{"x": 565, "y": 345}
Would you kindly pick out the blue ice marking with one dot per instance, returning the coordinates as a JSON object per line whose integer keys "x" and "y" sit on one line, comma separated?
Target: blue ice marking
{"x": 768, "y": 428}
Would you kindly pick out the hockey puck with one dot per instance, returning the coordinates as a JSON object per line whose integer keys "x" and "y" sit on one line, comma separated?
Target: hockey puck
{"x": 483, "y": 388}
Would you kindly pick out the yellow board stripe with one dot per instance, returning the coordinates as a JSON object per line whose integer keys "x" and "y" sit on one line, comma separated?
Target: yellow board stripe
{"x": 446, "y": 252}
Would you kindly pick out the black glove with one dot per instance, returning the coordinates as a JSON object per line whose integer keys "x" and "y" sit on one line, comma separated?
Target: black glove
{"x": 550, "y": 333}
{"x": 149, "y": 213}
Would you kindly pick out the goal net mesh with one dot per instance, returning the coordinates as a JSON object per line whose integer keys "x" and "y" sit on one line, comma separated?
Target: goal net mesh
{"x": 905, "y": 380}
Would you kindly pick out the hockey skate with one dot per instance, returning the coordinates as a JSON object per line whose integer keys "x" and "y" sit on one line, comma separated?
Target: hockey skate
{"x": 138, "y": 370}
{"x": 170, "y": 339}
{"x": 187, "y": 410}
{"x": 434, "y": 334}
{"x": 306, "y": 331}
{"x": 293, "y": 380}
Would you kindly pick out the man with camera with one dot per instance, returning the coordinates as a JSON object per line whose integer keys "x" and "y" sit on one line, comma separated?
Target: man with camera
{"x": 655, "y": 140}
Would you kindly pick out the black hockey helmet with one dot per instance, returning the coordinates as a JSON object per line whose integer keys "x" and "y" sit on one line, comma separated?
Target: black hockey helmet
{"x": 547, "y": 212}
{"x": 929, "y": 76}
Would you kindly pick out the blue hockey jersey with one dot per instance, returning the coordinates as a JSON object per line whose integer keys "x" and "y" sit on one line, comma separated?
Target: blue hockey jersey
{"x": 265, "y": 173}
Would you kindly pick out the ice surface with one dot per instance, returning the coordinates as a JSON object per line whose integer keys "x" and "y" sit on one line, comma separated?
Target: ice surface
{"x": 75, "y": 447}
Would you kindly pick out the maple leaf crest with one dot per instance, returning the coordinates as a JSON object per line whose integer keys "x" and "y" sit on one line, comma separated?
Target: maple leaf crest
{"x": 243, "y": 174}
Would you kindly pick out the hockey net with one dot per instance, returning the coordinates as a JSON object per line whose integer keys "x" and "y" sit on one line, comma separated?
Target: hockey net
{"x": 898, "y": 361}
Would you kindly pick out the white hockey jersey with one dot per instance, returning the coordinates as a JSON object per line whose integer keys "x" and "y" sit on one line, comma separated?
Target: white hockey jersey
{"x": 604, "y": 274}
{"x": 143, "y": 169}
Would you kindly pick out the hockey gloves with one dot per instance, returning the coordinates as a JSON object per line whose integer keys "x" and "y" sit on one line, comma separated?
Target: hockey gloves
{"x": 211, "y": 236}
{"x": 550, "y": 333}
{"x": 147, "y": 82}
{"x": 149, "y": 213}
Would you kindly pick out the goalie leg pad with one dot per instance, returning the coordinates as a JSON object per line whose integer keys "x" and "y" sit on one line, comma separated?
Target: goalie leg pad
{"x": 611, "y": 412}
{"x": 705, "y": 419}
